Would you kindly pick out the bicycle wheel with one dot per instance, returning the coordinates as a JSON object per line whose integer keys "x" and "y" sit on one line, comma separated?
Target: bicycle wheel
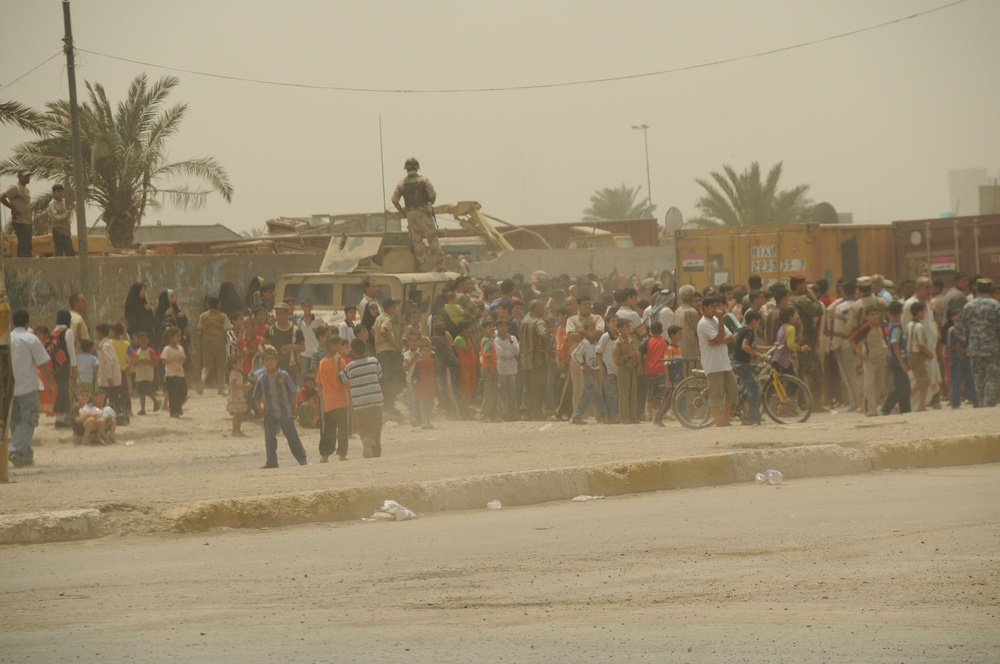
{"x": 691, "y": 403}
{"x": 794, "y": 406}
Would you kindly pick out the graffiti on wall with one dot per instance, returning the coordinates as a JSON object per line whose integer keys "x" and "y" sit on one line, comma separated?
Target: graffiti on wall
{"x": 28, "y": 289}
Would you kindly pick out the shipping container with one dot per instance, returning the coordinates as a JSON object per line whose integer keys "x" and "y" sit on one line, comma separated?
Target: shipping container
{"x": 940, "y": 247}
{"x": 713, "y": 256}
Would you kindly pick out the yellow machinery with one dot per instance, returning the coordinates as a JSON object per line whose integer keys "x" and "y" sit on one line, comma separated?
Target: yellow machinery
{"x": 42, "y": 245}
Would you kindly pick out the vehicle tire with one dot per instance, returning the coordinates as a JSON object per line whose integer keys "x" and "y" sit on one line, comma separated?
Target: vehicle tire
{"x": 798, "y": 405}
{"x": 691, "y": 403}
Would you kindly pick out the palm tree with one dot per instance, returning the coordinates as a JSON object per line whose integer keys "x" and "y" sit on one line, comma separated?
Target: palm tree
{"x": 19, "y": 115}
{"x": 124, "y": 156}
{"x": 254, "y": 233}
{"x": 741, "y": 199}
{"x": 613, "y": 203}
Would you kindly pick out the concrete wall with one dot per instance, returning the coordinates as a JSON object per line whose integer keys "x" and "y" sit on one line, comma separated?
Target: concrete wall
{"x": 43, "y": 285}
{"x": 601, "y": 261}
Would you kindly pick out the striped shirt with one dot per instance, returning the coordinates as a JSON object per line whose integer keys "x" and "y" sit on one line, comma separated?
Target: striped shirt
{"x": 277, "y": 392}
{"x": 364, "y": 375}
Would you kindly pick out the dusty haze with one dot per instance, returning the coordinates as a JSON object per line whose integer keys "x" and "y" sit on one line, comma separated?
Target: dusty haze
{"x": 873, "y": 121}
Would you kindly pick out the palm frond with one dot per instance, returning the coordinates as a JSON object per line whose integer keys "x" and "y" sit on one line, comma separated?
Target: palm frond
{"x": 22, "y": 116}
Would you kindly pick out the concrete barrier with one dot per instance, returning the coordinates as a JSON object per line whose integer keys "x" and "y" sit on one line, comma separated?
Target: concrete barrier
{"x": 523, "y": 488}
{"x": 63, "y": 526}
{"x": 950, "y": 451}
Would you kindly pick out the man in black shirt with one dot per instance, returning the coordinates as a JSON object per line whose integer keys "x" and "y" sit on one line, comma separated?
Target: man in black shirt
{"x": 286, "y": 338}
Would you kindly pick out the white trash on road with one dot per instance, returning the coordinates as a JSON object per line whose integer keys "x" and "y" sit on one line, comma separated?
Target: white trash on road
{"x": 583, "y": 499}
{"x": 401, "y": 513}
{"x": 770, "y": 476}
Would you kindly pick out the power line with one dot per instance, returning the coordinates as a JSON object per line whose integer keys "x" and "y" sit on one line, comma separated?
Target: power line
{"x": 537, "y": 86}
{"x": 46, "y": 61}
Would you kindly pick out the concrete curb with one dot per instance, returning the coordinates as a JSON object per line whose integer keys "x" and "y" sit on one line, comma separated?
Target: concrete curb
{"x": 522, "y": 488}
{"x": 533, "y": 487}
{"x": 62, "y": 526}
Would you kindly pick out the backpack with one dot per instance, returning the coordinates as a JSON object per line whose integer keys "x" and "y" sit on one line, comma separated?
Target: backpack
{"x": 56, "y": 348}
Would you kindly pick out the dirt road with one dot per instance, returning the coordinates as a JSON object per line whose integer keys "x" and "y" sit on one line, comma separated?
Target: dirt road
{"x": 896, "y": 566}
{"x": 178, "y": 461}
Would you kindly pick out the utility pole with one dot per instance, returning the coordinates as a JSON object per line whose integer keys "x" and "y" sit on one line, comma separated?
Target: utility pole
{"x": 645, "y": 139}
{"x": 79, "y": 186}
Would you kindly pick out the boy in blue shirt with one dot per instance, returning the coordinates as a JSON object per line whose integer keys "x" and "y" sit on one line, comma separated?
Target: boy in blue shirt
{"x": 86, "y": 365}
{"x": 274, "y": 392}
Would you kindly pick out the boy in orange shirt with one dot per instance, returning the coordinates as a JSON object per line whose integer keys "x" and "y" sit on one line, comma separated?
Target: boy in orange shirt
{"x": 336, "y": 402}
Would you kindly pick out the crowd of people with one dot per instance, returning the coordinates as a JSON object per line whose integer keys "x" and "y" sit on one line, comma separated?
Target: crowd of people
{"x": 508, "y": 349}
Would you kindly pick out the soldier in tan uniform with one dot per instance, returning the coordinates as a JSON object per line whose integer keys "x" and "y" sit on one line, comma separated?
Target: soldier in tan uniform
{"x": 418, "y": 197}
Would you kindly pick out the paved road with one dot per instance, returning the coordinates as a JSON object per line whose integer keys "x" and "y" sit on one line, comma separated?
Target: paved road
{"x": 886, "y": 567}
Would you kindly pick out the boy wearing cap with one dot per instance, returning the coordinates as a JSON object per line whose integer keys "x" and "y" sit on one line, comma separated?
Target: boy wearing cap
{"x": 273, "y": 393}
{"x": 59, "y": 216}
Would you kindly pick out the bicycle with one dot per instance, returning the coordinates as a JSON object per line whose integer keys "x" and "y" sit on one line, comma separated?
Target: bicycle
{"x": 784, "y": 397}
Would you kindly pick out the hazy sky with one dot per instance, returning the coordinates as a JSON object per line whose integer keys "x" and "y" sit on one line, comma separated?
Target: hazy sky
{"x": 872, "y": 121}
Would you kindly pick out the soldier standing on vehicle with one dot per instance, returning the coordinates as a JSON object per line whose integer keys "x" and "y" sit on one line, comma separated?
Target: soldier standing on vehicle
{"x": 418, "y": 197}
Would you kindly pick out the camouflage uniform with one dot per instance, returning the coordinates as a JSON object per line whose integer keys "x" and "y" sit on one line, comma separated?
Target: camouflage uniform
{"x": 982, "y": 318}
{"x": 472, "y": 310}
{"x": 418, "y": 195}
{"x": 536, "y": 350}
{"x": 811, "y": 313}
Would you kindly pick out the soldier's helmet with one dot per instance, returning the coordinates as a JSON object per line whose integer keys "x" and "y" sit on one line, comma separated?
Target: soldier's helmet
{"x": 412, "y": 164}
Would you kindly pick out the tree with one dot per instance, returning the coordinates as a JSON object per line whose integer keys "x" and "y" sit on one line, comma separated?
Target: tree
{"x": 613, "y": 203}
{"x": 125, "y": 165}
{"x": 741, "y": 199}
{"x": 19, "y": 115}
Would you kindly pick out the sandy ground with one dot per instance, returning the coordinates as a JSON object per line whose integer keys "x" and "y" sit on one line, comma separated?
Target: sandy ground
{"x": 892, "y": 566}
{"x": 175, "y": 461}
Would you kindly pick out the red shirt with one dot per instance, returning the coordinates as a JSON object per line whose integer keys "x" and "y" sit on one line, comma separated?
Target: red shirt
{"x": 335, "y": 393}
{"x": 656, "y": 348}
{"x": 251, "y": 346}
{"x": 425, "y": 379}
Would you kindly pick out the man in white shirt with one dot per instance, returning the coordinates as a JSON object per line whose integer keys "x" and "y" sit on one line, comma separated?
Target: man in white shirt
{"x": 712, "y": 341}
{"x": 28, "y": 356}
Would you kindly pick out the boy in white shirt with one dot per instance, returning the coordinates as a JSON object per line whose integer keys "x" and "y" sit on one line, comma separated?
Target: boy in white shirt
{"x": 585, "y": 354}
{"x": 508, "y": 350}
{"x": 608, "y": 369}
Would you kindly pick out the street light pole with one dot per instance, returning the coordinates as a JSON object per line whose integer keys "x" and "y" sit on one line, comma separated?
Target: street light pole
{"x": 645, "y": 139}
{"x": 79, "y": 186}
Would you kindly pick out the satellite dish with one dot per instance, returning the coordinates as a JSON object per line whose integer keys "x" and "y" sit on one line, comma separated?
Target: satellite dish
{"x": 674, "y": 221}
{"x": 824, "y": 213}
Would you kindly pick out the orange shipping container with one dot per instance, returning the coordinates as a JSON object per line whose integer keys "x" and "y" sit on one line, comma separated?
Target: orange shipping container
{"x": 719, "y": 255}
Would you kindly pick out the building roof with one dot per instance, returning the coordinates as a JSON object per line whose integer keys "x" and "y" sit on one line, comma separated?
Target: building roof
{"x": 183, "y": 232}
